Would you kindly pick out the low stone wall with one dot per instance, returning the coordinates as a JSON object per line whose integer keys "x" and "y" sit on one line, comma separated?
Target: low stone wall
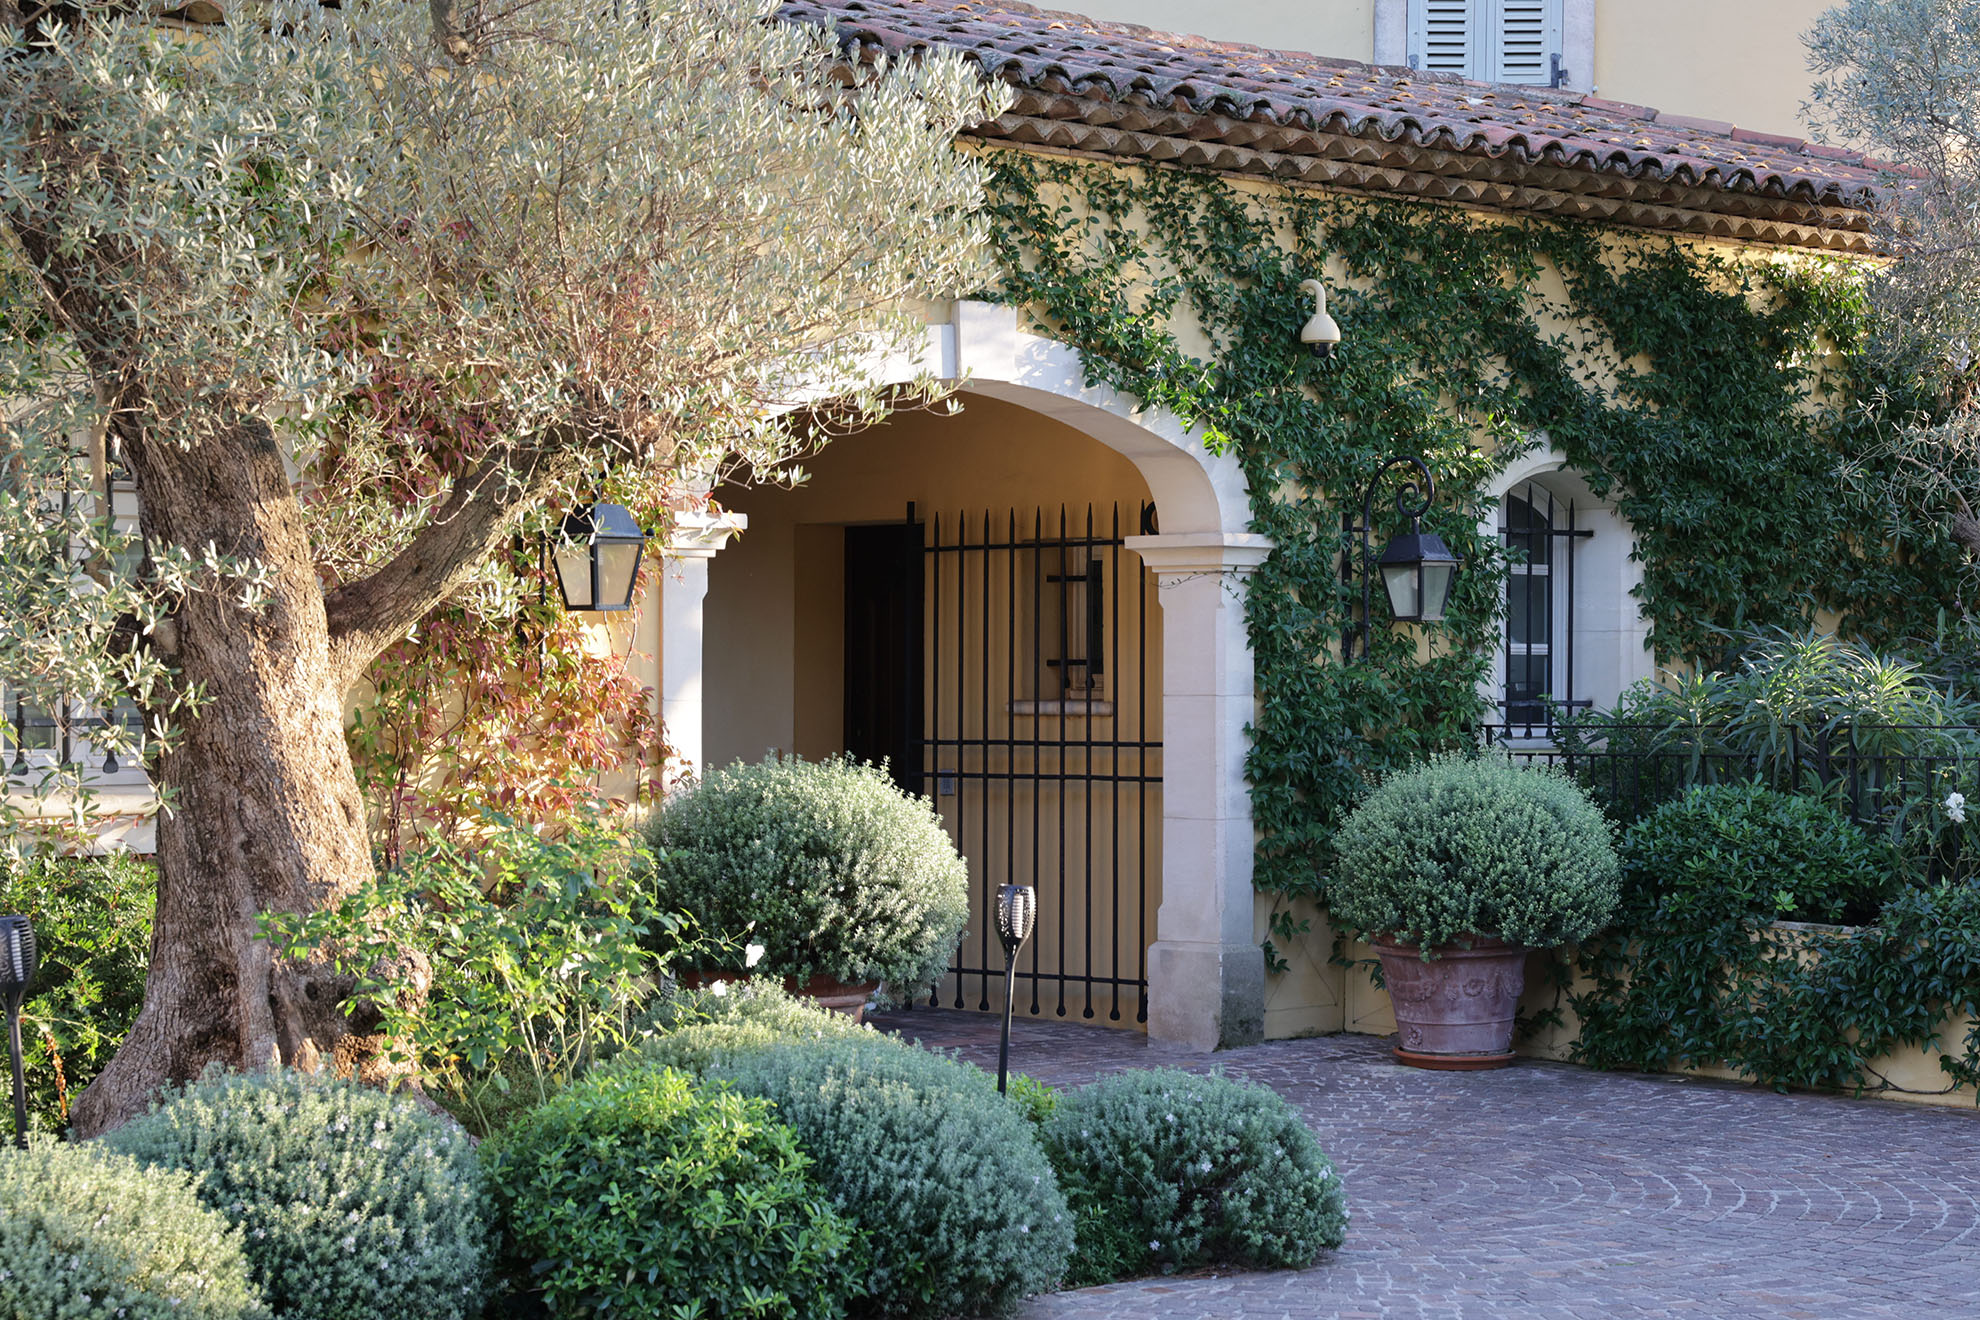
{"x": 1313, "y": 997}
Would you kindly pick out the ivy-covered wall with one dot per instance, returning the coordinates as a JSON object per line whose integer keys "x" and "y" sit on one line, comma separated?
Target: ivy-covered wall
{"x": 1711, "y": 393}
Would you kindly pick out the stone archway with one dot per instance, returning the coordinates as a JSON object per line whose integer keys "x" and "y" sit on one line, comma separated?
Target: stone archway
{"x": 1206, "y": 974}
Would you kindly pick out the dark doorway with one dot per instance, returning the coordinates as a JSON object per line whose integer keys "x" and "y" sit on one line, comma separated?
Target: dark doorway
{"x": 884, "y": 648}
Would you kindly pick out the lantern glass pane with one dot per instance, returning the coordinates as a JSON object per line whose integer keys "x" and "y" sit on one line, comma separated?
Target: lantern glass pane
{"x": 574, "y": 575}
{"x": 618, "y": 567}
{"x": 1437, "y": 590}
{"x": 1402, "y": 584}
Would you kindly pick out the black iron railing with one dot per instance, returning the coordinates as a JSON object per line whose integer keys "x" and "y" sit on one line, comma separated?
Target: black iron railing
{"x": 1895, "y": 777}
{"x": 34, "y": 738}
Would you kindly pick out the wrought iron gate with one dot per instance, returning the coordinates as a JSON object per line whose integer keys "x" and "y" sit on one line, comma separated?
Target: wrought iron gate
{"x": 1041, "y": 747}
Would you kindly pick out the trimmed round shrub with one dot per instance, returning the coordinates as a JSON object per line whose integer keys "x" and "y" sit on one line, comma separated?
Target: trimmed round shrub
{"x": 701, "y": 1028}
{"x": 354, "y": 1204}
{"x": 638, "y": 1194}
{"x": 1726, "y": 851}
{"x": 1475, "y": 846}
{"x": 1166, "y": 1170}
{"x": 966, "y": 1215}
{"x": 89, "y": 1234}
{"x": 826, "y": 864}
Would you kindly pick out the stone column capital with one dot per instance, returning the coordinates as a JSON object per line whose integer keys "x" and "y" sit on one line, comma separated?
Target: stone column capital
{"x": 1181, "y": 554}
{"x": 700, "y": 535}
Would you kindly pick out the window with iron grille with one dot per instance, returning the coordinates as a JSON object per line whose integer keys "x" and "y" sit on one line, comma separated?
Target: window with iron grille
{"x": 1540, "y": 532}
{"x": 1505, "y": 41}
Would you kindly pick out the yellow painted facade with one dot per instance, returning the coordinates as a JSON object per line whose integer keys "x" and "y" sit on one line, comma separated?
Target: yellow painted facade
{"x": 1743, "y": 63}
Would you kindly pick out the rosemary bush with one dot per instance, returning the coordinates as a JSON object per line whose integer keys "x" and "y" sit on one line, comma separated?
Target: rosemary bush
{"x": 354, "y": 1204}
{"x": 638, "y": 1194}
{"x": 966, "y": 1213}
{"x": 89, "y": 1234}
{"x": 1166, "y": 1170}
{"x": 698, "y": 1029}
{"x": 827, "y": 865}
{"x": 1477, "y": 846}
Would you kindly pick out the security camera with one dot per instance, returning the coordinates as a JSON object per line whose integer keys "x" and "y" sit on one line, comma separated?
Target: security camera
{"x": 1320, "y": 333}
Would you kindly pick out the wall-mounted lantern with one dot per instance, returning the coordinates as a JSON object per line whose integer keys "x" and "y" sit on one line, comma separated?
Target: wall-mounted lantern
{"x": 1416, "y": 566}
{"x": 598, "y": 553}
{"x": 1320, "y": 333}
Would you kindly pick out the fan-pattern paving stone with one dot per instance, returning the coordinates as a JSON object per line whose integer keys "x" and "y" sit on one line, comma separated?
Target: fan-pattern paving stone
{"x": 1545, "y": 1190}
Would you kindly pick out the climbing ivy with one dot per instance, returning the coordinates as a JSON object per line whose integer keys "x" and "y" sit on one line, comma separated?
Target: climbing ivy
{"x": 1713, "y": 397}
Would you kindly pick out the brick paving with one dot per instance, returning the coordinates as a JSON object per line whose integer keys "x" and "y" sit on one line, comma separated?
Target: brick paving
{"x": 1549, "y": 1192}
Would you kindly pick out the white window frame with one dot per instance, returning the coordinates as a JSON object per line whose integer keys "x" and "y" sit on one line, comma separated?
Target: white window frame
{"x": 1395, "y": 20}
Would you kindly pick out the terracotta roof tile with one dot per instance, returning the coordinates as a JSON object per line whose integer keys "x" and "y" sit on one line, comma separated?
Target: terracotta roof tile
{"x": 1121, "y": 64}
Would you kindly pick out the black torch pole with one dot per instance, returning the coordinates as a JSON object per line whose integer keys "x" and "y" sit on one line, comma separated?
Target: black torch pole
{"x": 1017, "y": 905}
{"x": 17, "y": 967}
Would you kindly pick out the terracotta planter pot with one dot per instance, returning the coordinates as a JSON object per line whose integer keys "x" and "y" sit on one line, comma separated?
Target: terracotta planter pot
{"x": 1457, "y": 1011}
{"x": 821, "y": 990}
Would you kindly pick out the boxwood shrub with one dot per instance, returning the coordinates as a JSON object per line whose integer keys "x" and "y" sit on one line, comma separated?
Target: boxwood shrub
{"x": 354, "y": 1204}
{"x": 1475, "y": 846}
{"x": 1167, "y": 1170}
{"x": 966, "y": 1214}
{"x": 634, "y": 1193}
{"x": 89, "y": 1234}
{"x": 827, "y": 865}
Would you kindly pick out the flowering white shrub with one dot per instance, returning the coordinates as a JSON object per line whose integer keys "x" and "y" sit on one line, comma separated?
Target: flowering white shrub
{"x": 1167, "y": 1170}
{"x": 88, "y": 1234}
{"x": 966, "y": 1215}
{"x": 353, "y": 1204}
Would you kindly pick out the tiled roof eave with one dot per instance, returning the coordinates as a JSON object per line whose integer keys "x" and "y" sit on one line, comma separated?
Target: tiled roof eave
{"x": 1399, "y": 166}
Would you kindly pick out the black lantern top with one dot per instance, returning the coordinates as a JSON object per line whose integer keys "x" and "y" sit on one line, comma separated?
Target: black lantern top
{"x": 17, "y": 956}
{"x": 598, "y": 558}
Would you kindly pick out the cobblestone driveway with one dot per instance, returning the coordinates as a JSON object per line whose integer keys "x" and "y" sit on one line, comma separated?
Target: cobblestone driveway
{"x": 1550, "y": 1191}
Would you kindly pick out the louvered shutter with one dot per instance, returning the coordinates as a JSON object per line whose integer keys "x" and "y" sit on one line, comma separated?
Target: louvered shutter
{"x": 1441, "y": 35}
{"x": 1528, "y": 38}
{"x": 1512, "y": 41}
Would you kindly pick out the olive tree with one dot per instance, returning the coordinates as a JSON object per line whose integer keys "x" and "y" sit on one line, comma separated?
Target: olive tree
{"x": 605, "y": 242}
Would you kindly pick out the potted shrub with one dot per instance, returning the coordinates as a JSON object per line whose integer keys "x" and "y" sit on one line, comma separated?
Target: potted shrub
{"x": 832, "y": 878}
{"x": 1455, "y": 869}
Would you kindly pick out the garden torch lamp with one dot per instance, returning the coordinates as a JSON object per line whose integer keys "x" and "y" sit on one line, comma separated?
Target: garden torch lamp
{"x": 17, "y": 964}
{"x": 598, "y": 554}
{"x": 1416, "y": 566}
{"x": 1017, "y": 909}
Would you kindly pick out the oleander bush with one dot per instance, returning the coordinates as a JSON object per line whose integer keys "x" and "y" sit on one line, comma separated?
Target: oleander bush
{"x": 1165, "y": 1170}
{"x": 637, "y": 1193}
{"x": 1724, "y": 851}
{"x": 90, "y": 1234}
{"x": 92, "y": 920}
{"x": 354, "y": 1204}
{"x": 826, "y": 864}
{"x": 1465, "y": 846}
{"x": 966, "y": 1214}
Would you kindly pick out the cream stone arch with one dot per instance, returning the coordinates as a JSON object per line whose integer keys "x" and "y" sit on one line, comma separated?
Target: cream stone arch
{"x": 1206, "y": 972}
{"x": 1610, "y": 634}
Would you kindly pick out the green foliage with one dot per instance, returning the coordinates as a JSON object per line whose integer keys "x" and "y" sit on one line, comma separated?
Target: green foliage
{"x": 1032, "y": 1098}
{"x": 966, "y": 1214}
{"x": 1788, "y": 1008}
{"x": 1725, "y": 851}
{"x": 827, "y": 865}
{"x": 541, "y": 957}
{"x": 701, "y": 1028}
{"x": 641, "y": 1195}
{"x": 354, "y": 1204}
{"x": 88, "y": 1234}
{"x": 1166, "y": 1170}
{"x": 1477, "y": 846}
{"x": 92, "y": 922}
{"x": 1712, "y": 399}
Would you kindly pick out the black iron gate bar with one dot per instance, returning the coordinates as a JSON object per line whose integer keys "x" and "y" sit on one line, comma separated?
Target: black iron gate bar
{"x": 936, "y": 774}
{"x": 1563, "y": 629}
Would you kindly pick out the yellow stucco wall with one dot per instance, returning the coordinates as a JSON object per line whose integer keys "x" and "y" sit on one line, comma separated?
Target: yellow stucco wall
{"x": 1740, "y": 62}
